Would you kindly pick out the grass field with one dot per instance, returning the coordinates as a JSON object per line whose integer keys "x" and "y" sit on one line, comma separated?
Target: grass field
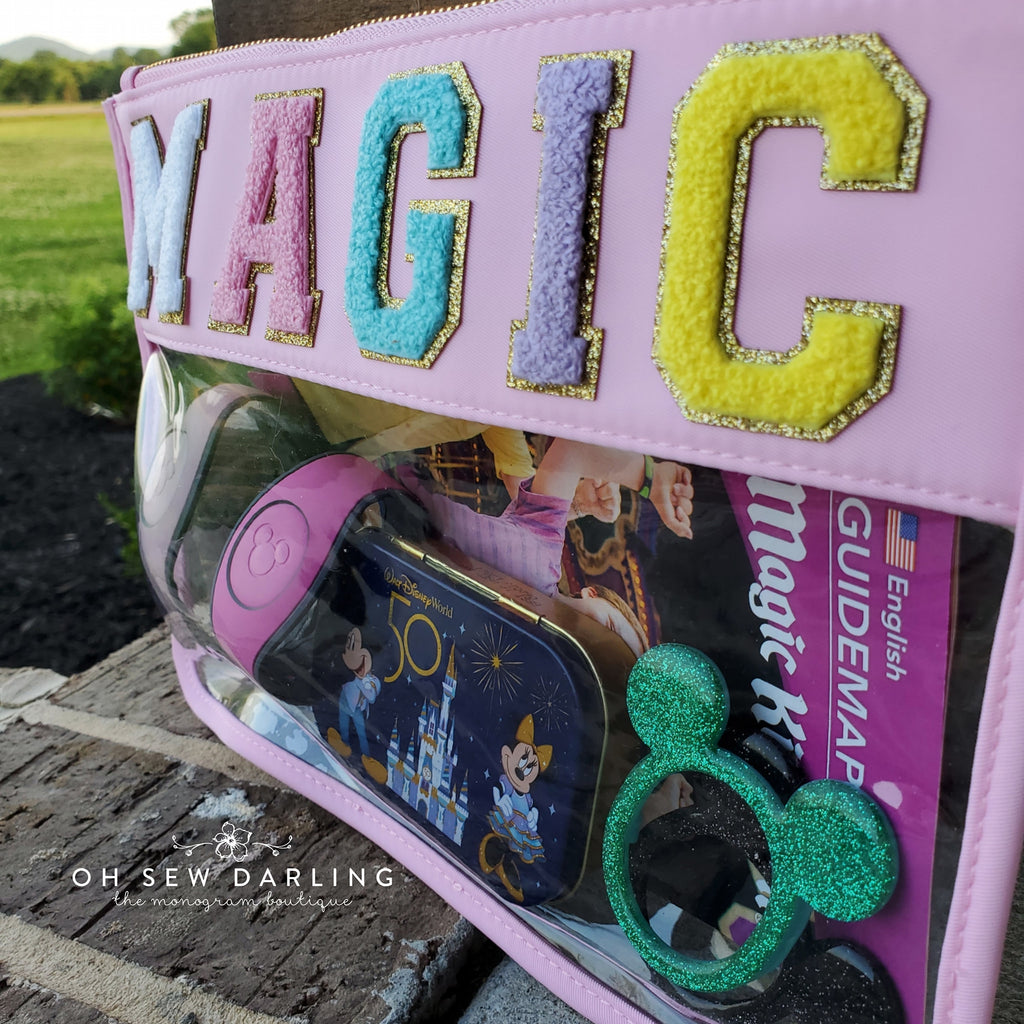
{"x": 60, "y": 223}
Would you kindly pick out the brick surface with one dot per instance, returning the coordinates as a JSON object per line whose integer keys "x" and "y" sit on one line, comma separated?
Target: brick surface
{"x": 31, "y": 1005}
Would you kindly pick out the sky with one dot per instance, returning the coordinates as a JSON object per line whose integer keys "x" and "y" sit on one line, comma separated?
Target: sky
{"x": 93, "y": 25}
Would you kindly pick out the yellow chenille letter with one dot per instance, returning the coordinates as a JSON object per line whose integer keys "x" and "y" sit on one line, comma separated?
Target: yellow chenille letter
{"x": 871, "y": 114}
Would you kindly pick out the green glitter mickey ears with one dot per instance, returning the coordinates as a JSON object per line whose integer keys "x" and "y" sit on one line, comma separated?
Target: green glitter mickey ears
{"x": 832, "y": 849}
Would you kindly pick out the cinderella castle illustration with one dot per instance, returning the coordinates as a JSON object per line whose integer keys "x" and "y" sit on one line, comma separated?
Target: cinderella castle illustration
{"x": 424, "y": 779}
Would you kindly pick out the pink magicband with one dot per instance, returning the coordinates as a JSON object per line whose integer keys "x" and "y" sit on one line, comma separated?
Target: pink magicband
{"x": 281, "y": 546}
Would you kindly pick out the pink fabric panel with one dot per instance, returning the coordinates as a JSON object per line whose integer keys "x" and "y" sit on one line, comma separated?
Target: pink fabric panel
{"x": 949, "y": 253}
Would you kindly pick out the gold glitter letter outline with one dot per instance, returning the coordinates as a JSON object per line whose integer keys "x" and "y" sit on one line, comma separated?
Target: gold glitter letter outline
{"x": 613, "y": 117}
{"x": 683, "y": 331}
{"x": 286, "y": 337}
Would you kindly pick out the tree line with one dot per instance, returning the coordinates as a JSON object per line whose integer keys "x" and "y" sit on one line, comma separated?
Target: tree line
{"x": 47, "y": 77}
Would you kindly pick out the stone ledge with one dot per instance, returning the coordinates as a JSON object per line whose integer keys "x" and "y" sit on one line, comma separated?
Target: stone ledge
{"x": 90, "y": 797}
{"x": 108, "y": 770}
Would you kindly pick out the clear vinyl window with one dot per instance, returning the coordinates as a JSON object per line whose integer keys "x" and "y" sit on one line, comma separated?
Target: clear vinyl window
{"x": 446, "y": 615}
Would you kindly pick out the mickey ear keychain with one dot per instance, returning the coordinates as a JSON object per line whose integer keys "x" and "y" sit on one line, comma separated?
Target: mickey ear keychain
{"x": 832, "y": 848}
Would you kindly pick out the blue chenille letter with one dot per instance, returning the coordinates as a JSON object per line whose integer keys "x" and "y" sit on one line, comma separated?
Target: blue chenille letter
{"x": 410, "y": 330}
{"x": 163, "y": 194}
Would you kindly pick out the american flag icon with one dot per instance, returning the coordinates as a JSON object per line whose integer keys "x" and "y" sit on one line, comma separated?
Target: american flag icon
{"x": 901, "y": 540}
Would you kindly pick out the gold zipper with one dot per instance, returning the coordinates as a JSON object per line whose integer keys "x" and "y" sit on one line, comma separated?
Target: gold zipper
{"x": 315, "y": 39}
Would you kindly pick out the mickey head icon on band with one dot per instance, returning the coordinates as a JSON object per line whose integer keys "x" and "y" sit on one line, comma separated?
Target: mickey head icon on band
{"x": 832, "y": 848}
{"x": 267, "y": 551}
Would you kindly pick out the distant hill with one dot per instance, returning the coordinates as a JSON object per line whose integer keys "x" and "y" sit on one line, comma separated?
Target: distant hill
{"x": 23, "y": 49}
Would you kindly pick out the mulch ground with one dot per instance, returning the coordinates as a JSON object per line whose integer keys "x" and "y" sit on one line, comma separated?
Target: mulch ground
{"x": 65, "y": 598}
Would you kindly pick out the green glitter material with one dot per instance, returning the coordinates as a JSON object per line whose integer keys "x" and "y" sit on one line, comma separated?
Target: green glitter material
{"x": 832, "y": 848}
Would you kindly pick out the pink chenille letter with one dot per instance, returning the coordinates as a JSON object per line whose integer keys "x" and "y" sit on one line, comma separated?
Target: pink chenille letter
{"x": 273, "y": 228}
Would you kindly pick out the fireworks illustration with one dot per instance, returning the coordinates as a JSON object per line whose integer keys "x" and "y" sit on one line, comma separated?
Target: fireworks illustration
{"x": 552, "y": 705}
{"x": 493, "y": 665}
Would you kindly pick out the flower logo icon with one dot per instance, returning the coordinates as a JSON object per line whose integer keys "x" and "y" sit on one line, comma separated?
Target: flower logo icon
{"x": 232, "y": 843}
